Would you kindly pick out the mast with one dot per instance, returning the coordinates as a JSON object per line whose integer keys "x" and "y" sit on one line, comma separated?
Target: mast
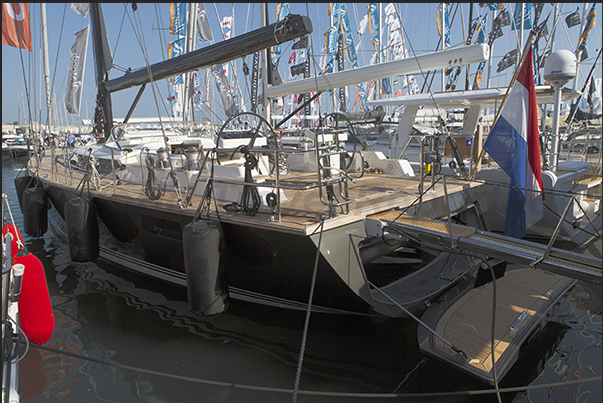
{"x": 520, "y": 28}
{"x": 582, "y": 24}
{"x": 491, "y": 50}
{"x": 264, "y": 70}
{"x": 443, "y": 24}
{"x": 103, "y": 62}
{"x": 46, "y": 63}
{"x": 467, "y": 84}
{"x": 190, "y": 46}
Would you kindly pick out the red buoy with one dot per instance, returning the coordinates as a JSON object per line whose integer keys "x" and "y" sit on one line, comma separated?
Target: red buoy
{"x": 10, "y": 228}
{"x": 35, "y": 311}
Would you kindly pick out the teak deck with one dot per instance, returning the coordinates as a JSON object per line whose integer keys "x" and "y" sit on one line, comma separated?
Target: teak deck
{"x": 524, "y": 299}
{"x": 373, "y": 193}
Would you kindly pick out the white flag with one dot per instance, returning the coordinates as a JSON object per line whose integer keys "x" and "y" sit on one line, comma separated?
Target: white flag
{"x": 390, "y": 9}
{"x": 227, "y": 22}
{"x": 80, "y": 9}
{"x": 363, "y": 24}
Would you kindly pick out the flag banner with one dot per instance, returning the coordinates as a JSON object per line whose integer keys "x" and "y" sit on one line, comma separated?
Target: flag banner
{"x": 204, "y": 33}
{"x": 478, "y": 76}
{"x": 331, "y": 45}
{"x": 543, "y": 28}
{"x": 178, "y": 19}
{"x": 496, "y": 32}
{"x": 350, "y": 51}
{"x": 293, "y": 58}
{"x": 373, "y": 18}
{"x": 386, "y": 86}
{"x": 527, "y": 16}
{"x": 327, "y": 63}
{"x": 176, "y": 48}
{"x": 493, "y": 6}
{"x": 590, "y": 22}
{"x": 282, "y": 10}
{"x": 107, "y": 62}
{"x": 503, "y": 18}
{"x": 371, "y": 90}
{"x": 362, "y": 25}
{"x": 176, "y": 99}
{"x": 226, "y": 35}
{"x": 75, "y": 75}
{"x": 227, "y": 22}
{"x": 16, "y": 31}
{"x": 336, "y": 13}
{"x": 278, "y": 103}
{"x": 375, "y": 41}
{"x": 413, "y": 86}
{"x": 198, "y": 91}
{"x": 301, "y": 44}
{"x": 395, "y": 38}
{"x": 390, "y": 9}
{"x": 394, "y": 23}
{"x": 443, "y": 29}
{"x": 298, "y": 69}
{"x": 592, "y": 94}
{"x": 396, "y": 43}
{"x": 573, "y": 19}
{"x": 343, "y": 18}
{"x": 514, "y": 144}
{"x": 537, "y": 11}
{"x": 481, "y": 30}
{"x": 81, "y": 9}
{"x": 507, "y": 61}
{"x": 226, "y": 95}
{"x": 374, "y": 58}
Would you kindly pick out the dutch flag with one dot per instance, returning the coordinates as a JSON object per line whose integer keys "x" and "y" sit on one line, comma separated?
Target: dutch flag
{"x": 513, "y": 144}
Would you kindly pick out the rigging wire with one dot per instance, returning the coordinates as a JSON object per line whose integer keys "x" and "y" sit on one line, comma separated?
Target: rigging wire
{"x": 302, "y": 349}
{"x": 120, "y": 29}
{"x": 56, "y": 62}
{"x": 162, "y": 39}
{"x": 139, "y": 38}
{"x": 152, "y": 82}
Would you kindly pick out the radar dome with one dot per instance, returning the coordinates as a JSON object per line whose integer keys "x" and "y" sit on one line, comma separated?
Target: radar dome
{"x": 560, "y": 67}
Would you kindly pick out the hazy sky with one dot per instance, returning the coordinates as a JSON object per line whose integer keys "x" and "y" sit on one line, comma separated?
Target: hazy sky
{"x": 418, "y": 20}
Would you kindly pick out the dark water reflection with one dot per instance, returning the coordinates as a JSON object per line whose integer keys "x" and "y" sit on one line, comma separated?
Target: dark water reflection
{"x": 110, "y": 315}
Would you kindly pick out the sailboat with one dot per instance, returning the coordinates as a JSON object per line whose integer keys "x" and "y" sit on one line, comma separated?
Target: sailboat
{"x": 568, "y": 179}
{"x": 306, "y": 225}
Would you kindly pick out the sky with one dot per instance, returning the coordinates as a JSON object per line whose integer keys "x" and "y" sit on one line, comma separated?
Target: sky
{"x": 418, "y": 21}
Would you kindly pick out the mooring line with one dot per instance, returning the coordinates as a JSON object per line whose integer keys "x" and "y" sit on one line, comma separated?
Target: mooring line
{"x": 315, "y": 393}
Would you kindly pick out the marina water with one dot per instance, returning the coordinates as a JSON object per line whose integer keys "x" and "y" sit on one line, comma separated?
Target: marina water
{"x": 124, "y": 338}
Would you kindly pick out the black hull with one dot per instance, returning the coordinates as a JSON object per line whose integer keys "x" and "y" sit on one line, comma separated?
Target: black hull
{"x": 263, "y": 266}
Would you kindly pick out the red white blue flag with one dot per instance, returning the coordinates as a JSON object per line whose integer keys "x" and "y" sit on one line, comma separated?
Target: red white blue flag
{"x": 513, "y": 143}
